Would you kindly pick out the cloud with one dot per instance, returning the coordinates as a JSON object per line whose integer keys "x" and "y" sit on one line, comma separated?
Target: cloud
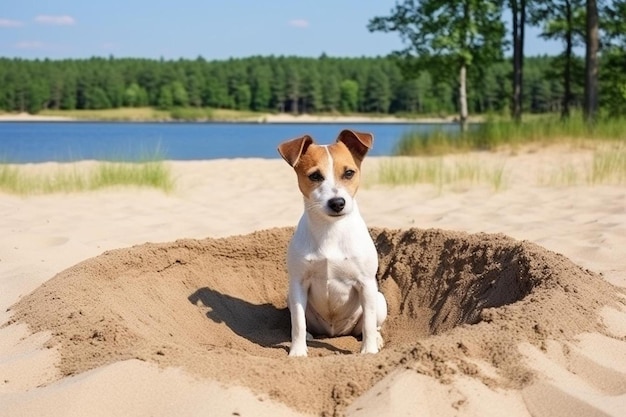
{"x": 55, "y": 20}
{"x": 8, "y": 23}
{"x": 29, "y": 45}
{"x": 298, "y": 23}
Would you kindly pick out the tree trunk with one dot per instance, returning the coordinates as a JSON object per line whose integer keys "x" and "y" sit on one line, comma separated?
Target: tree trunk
{"x": 463, "y": 97}
{"x": 591, "y": 63}
{"x": 518, "y": 9}
{"x": 567, "y": 72}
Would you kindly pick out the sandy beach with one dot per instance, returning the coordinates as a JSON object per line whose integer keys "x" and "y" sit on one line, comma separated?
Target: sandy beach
{"x": 26, "y": 117}
{"x": 281, "y": 118}
{"x": 137, "y": 302}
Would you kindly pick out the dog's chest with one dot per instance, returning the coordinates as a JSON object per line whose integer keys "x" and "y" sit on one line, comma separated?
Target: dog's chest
{"x": 333, "y": 280}
{"x": 340, "y": 257}
{"x": 332, "y": 266}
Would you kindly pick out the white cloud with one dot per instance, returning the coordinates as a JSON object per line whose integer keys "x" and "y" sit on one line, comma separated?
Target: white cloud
{"x": 29, "y": 45}
{"x": 299, "y": 23}
{"x": 55, "y": 20}
{"x": 8, "y": 23}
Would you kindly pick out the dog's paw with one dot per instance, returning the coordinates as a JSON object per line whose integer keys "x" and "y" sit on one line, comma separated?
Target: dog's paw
{"x": 298, "y": 351}
{"x": 369, "y": 349}
{"x": 373, "y": 345}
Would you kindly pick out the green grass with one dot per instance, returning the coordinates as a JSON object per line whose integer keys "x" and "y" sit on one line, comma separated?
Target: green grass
{"x": 499, "y": 133}
{"x": 607, "y": 166}
{"x": 191, "y": 113}
{"x": 16, "y": 179}
{"x": 435, "y": 171}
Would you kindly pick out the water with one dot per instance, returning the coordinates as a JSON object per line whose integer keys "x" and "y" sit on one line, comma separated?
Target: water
{"x": 25, "y": 142}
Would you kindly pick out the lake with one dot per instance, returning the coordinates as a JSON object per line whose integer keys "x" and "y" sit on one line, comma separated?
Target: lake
{"x": 24, "y": 142}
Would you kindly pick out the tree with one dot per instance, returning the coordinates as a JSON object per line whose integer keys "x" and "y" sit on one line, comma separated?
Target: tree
{"x": 97, "y": 99}
{"x": 179, "y": 94}
{"x": 135, "y": 96}
{"x": 449, "y": 34}
{"x": 215, "y": 90}
{"x": 349, "y": 93}
{"x": 377, "y": 91}
{"x": 592, "y": 45}
{"x": 613, "y": 77}
{"x": 408, "y": 97}
{"x": 166, "y": 98}
{"x": 518, "y": 14}
{"x": 292, "y": 88}
{"x": 260, "y": 85}
{"x": 311, "y": 98}
{"x": 243, "y": 97}
{"x": 278, "y": 87}
{"x": 331, "y": 93}
{"x": 194, "y": 81}
{"x": 562, "y": 19}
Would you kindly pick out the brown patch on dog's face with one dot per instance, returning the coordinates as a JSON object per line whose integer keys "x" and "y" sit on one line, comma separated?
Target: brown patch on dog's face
{"x": 346, "y": 168}
{"x": 313, "y": 169}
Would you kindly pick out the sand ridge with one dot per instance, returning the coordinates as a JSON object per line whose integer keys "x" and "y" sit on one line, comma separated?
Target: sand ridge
{"x": 217, "y": 308}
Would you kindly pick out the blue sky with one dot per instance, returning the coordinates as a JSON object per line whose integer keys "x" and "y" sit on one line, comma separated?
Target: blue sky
{"x": 213, "y": 29}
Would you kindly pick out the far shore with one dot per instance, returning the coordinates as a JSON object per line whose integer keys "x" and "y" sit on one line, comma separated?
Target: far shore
{"x": 263, "y": 118}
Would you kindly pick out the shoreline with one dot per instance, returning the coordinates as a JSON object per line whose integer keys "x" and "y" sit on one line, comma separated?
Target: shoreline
{"x": 282, "y": 118}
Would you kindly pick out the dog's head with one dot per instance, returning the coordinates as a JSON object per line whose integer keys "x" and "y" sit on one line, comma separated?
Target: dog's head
{"x": 328, "y": 175}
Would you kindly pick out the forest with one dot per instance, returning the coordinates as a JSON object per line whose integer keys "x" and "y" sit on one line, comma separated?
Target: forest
{"x": 265, "y": 84}
{"x": 415, "y": 81}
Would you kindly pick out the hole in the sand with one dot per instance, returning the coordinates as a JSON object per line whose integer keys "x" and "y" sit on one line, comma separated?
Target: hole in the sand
{"x": 433, "y": 281}
{"x": 231, "y": 293}
{"x": 439, "y": 280}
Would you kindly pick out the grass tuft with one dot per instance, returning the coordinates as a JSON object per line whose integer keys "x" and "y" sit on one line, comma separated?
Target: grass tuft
{"x": 435, "y": 171}
{"x": 494, "y": 134}
{"x": 15, "y": 179}
{"x": 607, "y": 166}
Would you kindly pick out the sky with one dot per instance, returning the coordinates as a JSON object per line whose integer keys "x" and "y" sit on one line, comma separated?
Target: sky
{"x": 213, "y": 29}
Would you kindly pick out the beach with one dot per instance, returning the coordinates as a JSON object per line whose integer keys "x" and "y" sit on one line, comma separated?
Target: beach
{"x": 131, "y": 301}
{"x": 280, "y": 118}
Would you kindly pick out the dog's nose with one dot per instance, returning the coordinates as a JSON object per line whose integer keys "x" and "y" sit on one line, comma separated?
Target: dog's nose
{"x": 336, "y": 204}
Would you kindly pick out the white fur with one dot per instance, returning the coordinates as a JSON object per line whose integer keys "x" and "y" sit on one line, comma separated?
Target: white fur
{"x": 332, "y": 265}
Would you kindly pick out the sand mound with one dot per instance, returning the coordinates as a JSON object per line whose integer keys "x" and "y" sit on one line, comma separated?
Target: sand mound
{"x": 217, "y": 308}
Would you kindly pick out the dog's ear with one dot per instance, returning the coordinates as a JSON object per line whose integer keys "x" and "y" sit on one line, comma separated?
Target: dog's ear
{"x": 294, "y": 148}
{"x": 357, "y": 142}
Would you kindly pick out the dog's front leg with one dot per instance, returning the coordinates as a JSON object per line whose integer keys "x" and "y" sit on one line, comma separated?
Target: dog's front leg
{"x": 297, "y": 308}
{"x": 368, "y": 296}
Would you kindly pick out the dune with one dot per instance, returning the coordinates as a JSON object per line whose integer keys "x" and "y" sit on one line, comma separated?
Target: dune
{"x": 134, "y": 302}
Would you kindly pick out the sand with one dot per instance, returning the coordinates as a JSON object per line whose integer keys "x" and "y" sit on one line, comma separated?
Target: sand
{"x": 268, "y": 118}
{"x": 27, "y": 117}
{"x": 136, "y": 302}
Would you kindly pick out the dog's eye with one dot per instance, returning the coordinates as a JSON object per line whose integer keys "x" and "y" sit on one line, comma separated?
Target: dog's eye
{"x": 348, "y": 174}
{"x": 316, "y": 177}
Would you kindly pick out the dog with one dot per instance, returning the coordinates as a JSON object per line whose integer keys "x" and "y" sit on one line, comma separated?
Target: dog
{"x": 331, "y": 259}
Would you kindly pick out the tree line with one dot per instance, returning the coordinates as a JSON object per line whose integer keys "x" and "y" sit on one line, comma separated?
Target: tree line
{"x": 455, "y": 36}
{"x": 269, "y": 84}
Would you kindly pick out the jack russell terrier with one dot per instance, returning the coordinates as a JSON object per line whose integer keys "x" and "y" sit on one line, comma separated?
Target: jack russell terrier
{"x": 332, "y": 260}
